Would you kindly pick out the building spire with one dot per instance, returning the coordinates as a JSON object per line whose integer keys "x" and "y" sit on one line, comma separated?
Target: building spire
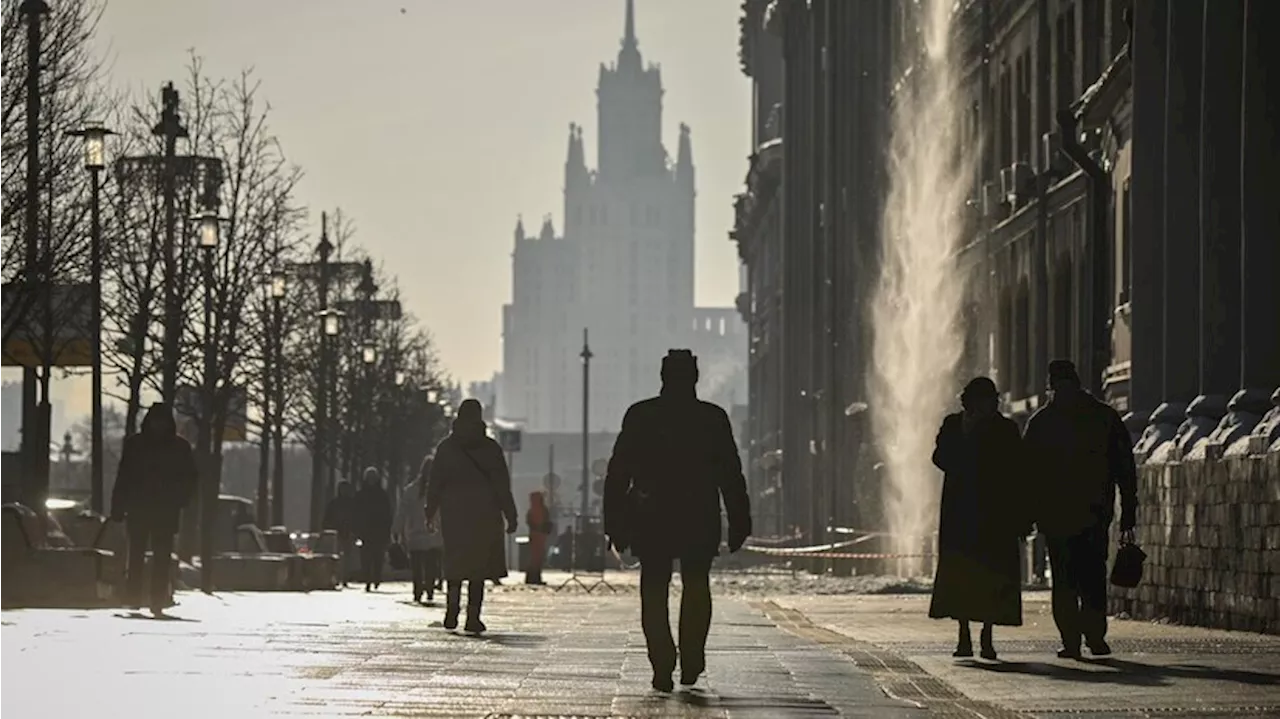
{"x": 629, "y": 55}
{"x": 629, "y": 33}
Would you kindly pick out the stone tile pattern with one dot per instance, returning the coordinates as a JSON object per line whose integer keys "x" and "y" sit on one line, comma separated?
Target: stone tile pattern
{"x": 351, "y": 653}
{"x": 1211, "y": 530}
{"x": 1158, "y": 669}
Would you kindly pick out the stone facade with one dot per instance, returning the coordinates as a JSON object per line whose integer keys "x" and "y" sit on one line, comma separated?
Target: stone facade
{"x": 1211, "y": 530}
{"x": 1123, "y": 216}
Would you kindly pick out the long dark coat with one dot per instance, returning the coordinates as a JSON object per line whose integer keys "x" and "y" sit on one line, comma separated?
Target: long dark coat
{"x": 157, "y": 474}
{"x": 470, "y": 486}
{"x": 983, "y": 516}
{"x": 372, "y": 523}
{"x": 673, "y": 461}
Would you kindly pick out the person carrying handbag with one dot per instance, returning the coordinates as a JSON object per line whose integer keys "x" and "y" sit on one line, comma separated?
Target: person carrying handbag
{"x": 469, "y": 487}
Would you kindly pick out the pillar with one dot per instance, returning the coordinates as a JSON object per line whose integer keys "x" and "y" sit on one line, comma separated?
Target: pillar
{"x": 1147, "y": 202}
{"x": 1220, "y": 96}
{"x": 1181, "y": 201}
{"x": 1260, "y": 219}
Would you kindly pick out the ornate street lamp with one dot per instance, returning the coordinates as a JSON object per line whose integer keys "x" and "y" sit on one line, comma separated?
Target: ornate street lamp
{"x": 331, "y": 321}
{"x": 399, "y": 378}
{"x": 369, "y": 353}
{"x": 94, "y": 136}
{"x": 209, "y": 232}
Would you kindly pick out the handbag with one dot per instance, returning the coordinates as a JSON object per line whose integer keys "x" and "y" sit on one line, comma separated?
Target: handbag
{"x": 398, "y": 558}
{"x": 1126, "y": 571}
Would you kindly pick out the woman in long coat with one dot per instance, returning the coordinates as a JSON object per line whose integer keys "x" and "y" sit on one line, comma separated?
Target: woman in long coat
{"x": 983, "y": 517}
{"x": 470, "y": 487}
{"x": 425, "y": 545}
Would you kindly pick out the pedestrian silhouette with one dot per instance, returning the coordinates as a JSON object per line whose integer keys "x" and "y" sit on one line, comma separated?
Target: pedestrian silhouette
{"x": 155, "y": 480}
{"x": 538, "y": 518}
{"x": 1078, "y": 452}
{"x": 470, "y": 488}
{"x": 340, "y": 516}
{"x": 424, "y": 543}
{"x": 982, "y": 518}
{"x": 373, "y": 527}
{"x": 673, "y": 461}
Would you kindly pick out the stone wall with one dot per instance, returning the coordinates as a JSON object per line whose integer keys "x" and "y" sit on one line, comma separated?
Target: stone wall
{"x": 1211, "y": 530}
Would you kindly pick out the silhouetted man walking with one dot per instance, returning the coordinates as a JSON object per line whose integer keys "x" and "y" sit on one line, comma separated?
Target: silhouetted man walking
{"x": 673, "y": 461}
{"x": 156, "y": 479}
{"x": 1080, "y": 452}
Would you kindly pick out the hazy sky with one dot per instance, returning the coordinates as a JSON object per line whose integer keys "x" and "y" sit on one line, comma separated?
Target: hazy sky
{"x": 433, "y": 123}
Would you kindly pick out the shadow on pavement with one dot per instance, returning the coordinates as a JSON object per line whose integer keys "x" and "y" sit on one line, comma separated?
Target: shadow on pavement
{"x": 160, "y": 618}
{"x": 506, "y": 640}
{"x": 791, "y": 705}
{"x": 1130, "y": 672}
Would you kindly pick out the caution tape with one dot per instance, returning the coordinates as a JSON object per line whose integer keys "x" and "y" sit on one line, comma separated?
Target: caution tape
{"x": 835, "y": 555}
{"x": 806, "y": 550}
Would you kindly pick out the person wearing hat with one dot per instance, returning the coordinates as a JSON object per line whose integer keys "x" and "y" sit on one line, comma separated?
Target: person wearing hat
{"x": 1079, "y": 452}
{"x": 673, "y": 462}
{"x": 470, "y": 488}
{"x": 983, "y": 515}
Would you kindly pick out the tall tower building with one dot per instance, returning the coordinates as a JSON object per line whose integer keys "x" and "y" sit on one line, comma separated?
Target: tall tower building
{"x": 623, "y": 267}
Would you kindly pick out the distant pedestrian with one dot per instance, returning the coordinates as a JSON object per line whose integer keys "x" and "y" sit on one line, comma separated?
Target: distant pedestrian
{"x": 470, "y": 489}
{"x": 1078, "y": 451}
{"x": 424, "y": 543}
{"x": 538, "y": 518}
{"x": 340, "y": 516}
{"x": 673, "y": 461}
{"x": 155, "y": 480}
{"x": 373, "y": 527}
{"x": 984, "y": 515}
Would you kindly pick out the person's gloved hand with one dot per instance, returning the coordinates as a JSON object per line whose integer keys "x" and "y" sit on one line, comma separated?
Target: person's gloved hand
{"x": 737, "y": 538}
{"x": 511, "y": 526}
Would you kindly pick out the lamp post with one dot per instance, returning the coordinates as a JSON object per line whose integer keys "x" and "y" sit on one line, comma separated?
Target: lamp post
{"x": 94, "y": 136}
{"x": 330, "y": 328}
{"x": 209, "y": 235}
{"x": 279, "y": 288}
{"x": 368, "y": 356}
{"x": 586, "y": 406}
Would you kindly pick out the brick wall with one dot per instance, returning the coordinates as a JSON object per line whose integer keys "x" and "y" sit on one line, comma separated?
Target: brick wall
{"x": 1211, "y": 530}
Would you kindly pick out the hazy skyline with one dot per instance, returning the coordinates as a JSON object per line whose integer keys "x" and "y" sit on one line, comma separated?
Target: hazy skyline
{"x": 435, "y": 124}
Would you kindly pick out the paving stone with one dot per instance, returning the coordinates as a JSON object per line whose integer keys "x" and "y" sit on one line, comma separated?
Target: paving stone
{"x": 351, "y": 653}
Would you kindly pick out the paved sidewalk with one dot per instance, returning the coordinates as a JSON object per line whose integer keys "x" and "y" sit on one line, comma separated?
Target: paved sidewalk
{"x": 1156, "y": 669}
{"x": 350, "y": 653}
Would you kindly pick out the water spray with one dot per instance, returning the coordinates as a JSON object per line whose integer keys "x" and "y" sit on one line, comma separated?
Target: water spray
{"x": 916, "y": 306}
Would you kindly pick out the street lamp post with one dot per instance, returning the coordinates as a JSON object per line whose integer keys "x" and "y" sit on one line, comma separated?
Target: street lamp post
{"x": 209, "y": 231}
{"x": 94, "y": 136}
{"x": 279, "y": 287}
{"x": 361, "y": 438}
{"x": 329, "y": 320}
{"x": 330, "y": 327}
{"x": 586, "y": 407}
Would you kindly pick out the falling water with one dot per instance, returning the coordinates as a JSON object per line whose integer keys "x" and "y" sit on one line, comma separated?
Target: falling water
{"x": 916, "y": 306}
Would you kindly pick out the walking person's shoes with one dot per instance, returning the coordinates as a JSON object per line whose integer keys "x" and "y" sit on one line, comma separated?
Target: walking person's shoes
{"x": 1100, "y": 648}
{"x": 663, "y": 683}
{"x": 688, "y": 677}
{"x": 988, "y": 653}
{"x": 1069, "y": 653}
{"x": 451, "y": 619}
{"x": 368, "y": 587}
{"x": 474, "y": 626}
